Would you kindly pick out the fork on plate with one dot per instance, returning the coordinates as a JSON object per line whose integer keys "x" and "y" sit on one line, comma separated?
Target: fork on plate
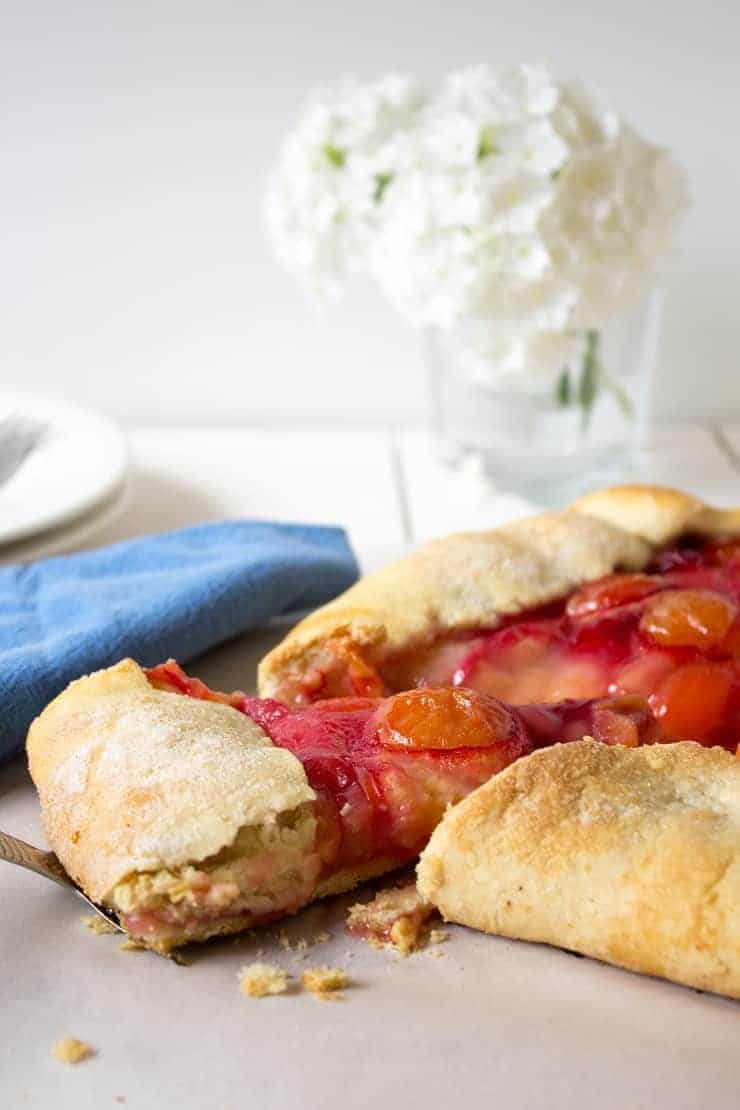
{"x": 19, "y": 438}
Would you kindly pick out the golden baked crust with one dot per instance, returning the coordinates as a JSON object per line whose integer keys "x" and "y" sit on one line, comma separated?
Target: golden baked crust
{"x": 469, "y": 581}
{"x": 350, "y": 877}
{"x": 631, "y": 856}
{"x": 133, "y": 779}
{"x": 657, "y": 513}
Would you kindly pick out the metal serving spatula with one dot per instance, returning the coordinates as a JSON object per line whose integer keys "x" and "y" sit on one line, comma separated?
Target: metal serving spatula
{"x": 13, "y": 850}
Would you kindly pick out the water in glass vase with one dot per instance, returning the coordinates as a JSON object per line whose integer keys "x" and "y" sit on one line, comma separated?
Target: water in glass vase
{"x": 550, "y": 437}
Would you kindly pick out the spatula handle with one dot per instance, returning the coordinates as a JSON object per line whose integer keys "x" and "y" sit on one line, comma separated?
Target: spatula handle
{"x": 13, "y": 850}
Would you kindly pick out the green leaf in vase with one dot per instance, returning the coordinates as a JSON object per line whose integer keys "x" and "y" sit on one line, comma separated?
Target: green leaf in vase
{"x": 564, "y": 388}
{"x": 588, "y": 384}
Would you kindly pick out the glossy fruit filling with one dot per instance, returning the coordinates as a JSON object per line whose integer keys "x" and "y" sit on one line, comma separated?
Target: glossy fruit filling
{"x": 670, "y": 634}
{"x": 384, "y": 770}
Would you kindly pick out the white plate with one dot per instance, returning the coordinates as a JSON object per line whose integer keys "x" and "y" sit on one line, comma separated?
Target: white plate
{"x": 82, "y": 532}
{"x": 79, "y": 465}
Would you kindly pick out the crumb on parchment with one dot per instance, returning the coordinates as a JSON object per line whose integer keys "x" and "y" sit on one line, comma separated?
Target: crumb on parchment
{"x": 323, "y": 981}
{"x": 258, "y": 980}
{"x": 397, "y": 918}
{"x": 405, "y": 934}
{"x": 97, "y": 924}
{"x": 71, "y": 1051}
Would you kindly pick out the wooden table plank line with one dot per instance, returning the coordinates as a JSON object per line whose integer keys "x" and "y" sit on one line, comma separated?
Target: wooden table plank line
{"x": 725, "y": 444}
{"x": 400, "y": 478}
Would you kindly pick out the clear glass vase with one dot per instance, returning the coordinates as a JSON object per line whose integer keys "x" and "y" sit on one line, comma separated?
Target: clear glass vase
{"x": 579, "y": 428}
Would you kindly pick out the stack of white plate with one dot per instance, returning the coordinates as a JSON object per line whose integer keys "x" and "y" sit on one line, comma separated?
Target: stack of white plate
{"x": 71, "y": 485}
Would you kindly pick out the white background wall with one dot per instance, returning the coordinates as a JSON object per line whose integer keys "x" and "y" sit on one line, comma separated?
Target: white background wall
{"x": 135, "y": 139}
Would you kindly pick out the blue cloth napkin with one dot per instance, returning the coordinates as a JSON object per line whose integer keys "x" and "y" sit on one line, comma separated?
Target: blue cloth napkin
{"x": 174, "y": 594}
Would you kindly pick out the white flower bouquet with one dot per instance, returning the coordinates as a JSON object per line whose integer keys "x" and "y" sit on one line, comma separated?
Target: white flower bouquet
{"x": 518, "y": 210}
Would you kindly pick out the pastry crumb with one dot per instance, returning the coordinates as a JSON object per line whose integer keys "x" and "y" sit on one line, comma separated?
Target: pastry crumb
{"x": 71, "y": 1051}
{"x": 324, "y": 981}
{"x": 97, "y": 924}
{"x": 397, "y": 918}
{"x": 322, "y": 938}
{"x": 438, "y": 936}
{"x": 258, "y": 980}
{"x": 405, "y": 934}
{"x": 131, "y": 945}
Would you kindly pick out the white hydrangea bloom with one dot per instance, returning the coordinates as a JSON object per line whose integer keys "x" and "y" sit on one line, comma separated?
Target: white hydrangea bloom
{"x": 518, "y": 211}
{"x": 614, "y": 213}
{"x": 323, "y": 204}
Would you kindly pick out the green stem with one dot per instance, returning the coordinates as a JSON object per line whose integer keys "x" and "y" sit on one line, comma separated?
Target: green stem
{"x": 621, "y": 395}
{"x": 588, "y": 383}
{"x": 564, "y": 388}
{"x": 583, "y": 389}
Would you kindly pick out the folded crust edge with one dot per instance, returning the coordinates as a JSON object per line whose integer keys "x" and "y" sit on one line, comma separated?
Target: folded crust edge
{"x": 470, "y": 580}
{"x": 630, "y": 856}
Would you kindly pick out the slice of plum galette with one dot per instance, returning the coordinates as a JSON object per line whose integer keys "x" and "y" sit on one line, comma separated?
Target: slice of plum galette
{"x": 192, "y": 813}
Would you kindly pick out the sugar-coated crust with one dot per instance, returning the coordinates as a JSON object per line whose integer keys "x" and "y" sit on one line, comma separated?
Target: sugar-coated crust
{"x": 631, "y": 856}
{"x": 471, "y": 580}
{"x": 133, "y": 779}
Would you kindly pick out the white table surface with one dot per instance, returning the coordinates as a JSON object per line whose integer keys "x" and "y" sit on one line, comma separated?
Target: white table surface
{"x": 491, "y": 1022}
{"x": 384, "y": 485}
